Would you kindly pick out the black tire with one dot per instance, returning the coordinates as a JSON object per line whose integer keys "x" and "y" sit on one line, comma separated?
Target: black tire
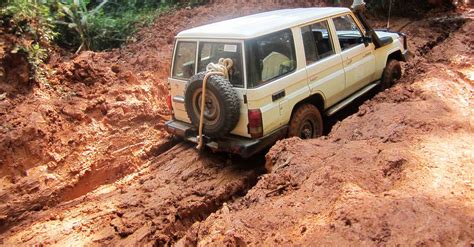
{"x": 222, "y": 106}
{"x": 391, "y": 73}
{"x": 306, "y": 122}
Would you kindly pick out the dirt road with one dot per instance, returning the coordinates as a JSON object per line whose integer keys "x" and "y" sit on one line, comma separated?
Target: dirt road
{"x": 399, "y": 171}
{"x": 157, "y": 204}
{"x": 98, "y": 118}
{"x": 93, "y": 166}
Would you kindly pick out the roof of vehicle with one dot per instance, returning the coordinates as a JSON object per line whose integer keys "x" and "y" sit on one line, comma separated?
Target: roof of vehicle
{"x": 251, "y": 26}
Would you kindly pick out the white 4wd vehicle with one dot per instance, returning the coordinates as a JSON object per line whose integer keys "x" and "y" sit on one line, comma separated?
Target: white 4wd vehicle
{"x": 289, "y": 67}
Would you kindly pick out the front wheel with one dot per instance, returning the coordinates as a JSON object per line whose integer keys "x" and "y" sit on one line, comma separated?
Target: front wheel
{"x": 306, "y": 122}
{"x": 391, "y": 73}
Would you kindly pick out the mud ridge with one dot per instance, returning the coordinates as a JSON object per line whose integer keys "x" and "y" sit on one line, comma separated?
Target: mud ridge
{"x": 95, "y": 178}
{"x": 402, "y": 164}
{"x": 155, "y": 205}
{"x": 449, "y": 24}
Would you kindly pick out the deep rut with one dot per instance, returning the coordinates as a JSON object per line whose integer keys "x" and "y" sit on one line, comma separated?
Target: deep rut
{"x": 154, "y": 205}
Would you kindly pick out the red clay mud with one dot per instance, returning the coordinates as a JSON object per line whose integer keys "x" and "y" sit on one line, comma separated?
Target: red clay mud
{"x": 84, "y": 159}
{"x": 152, "y": 206}
{"x": 96, "y": 119}
{"x": 399, "y": 171}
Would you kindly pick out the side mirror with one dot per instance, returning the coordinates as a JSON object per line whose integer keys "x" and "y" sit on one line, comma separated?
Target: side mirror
{"x": 367, "y": 40}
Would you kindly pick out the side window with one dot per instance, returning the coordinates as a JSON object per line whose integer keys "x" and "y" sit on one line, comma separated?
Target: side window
{"x": 317, "y": 42}
{"x": 211, "y": 52}
{"x": 348, "y": 32}
{"x": 184, "y": 60}
{"x": 269, "y": 57}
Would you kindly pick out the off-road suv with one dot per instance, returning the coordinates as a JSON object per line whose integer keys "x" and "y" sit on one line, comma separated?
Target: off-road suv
{"x": 289, "y": 67}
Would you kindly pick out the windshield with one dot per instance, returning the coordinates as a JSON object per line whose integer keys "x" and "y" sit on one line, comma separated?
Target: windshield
{"x": 211, "y": 52}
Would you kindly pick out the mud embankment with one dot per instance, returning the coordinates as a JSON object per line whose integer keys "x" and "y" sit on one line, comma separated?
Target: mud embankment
{"x": 86, "y": 159}
{"x": 399, "y": 171}
{"x": 155, "y": 205}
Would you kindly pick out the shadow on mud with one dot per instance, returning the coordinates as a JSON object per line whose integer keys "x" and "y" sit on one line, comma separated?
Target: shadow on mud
{"x": 347, "y": 111}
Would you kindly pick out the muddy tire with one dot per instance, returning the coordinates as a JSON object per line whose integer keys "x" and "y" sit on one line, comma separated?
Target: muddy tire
{"x": 222, "y": 110}
{"x": 391, "y": 73}
{"x": 306, "y": 122}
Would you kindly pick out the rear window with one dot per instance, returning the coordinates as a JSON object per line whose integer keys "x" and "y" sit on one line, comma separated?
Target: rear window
{"x": 270, "y": 57}
{"x": 184, "y": 60}
{"x": 211, "y": 52}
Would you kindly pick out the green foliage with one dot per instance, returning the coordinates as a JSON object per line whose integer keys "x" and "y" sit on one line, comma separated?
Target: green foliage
{"x": 80, "y": 24}
{"x": 29, "y": 17}
{"x": 76, "y": 18}
{"x": 104, "y": 24}
{"x": 73, "y": 24}
{"x": 32, "y": 21}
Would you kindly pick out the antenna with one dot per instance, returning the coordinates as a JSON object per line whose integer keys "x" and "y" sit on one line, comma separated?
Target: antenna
{"x": 389, "y": 13}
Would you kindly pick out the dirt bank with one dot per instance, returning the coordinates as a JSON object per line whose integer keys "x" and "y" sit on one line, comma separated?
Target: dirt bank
{"x": 97, "y": 118}
{"x": 155, "y": 205}
{"x": 85, "y": 160}
{"x": 90, "y": 126}
{"x": 399, "y": 171}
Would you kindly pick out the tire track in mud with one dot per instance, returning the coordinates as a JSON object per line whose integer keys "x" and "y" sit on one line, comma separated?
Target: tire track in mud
{"x": 446, "y": 26}
{"x": 245, "y": 224}
{"x": 95, "y": 177}
{"x": 155, "y": 205}
{"x": 99, "y": 174}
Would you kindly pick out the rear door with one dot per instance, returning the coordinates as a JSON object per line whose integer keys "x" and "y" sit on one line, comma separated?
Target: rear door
{"x": 184, "y": 66}
{"x": 323, "y": 64}
{"x": 192, "y": 57}
{"x": 357, "y": 57}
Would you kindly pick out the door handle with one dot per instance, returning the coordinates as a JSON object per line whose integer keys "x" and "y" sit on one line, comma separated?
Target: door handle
{"x": 349, "y": 61}
{"x": 278, "y": 95}
{"x": 366, "y": 55}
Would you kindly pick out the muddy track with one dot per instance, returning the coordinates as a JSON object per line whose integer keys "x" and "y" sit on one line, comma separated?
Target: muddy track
{"x": 160, "y": 201}
{"x": 391, "y": 174}
{"x": 156, "y": 205}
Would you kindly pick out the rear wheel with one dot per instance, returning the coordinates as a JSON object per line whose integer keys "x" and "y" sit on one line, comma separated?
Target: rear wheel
{"x": 306, "y": 122}
{"x": 391, "y": 73}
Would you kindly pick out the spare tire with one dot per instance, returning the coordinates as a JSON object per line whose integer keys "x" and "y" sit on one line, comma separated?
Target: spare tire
{"x": 222, "y": 110}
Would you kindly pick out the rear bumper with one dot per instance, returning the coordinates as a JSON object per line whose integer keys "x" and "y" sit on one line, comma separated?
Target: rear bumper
{"x": 242, "y": 146}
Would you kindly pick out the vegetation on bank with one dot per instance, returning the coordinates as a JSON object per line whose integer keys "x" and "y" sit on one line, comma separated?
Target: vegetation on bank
{"x": 80, "y": 24}
{"x": 74, "y": 25}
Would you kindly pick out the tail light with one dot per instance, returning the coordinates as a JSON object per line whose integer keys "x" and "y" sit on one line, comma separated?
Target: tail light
{"x": 168, "y": 102}
{"x": 255, "y": 125}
